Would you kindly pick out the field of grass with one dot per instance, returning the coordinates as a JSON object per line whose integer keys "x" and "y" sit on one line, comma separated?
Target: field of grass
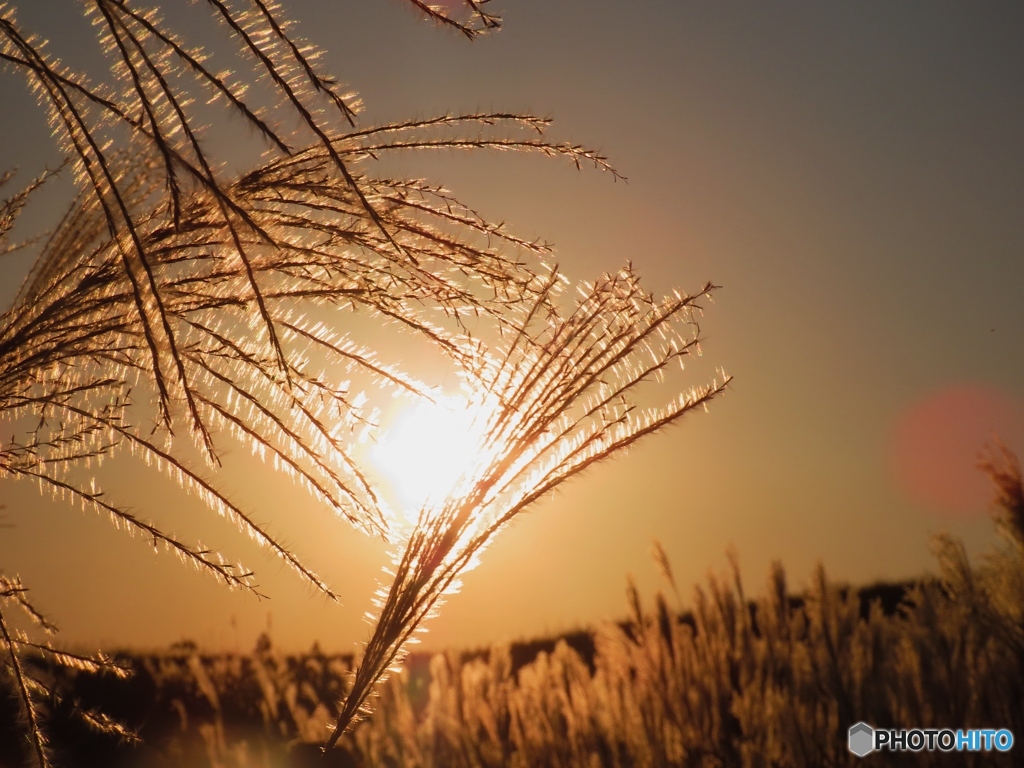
{"x": 775, "y": 681}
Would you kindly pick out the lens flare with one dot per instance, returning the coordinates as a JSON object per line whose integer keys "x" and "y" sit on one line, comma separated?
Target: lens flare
{"x": 937, "y": 442}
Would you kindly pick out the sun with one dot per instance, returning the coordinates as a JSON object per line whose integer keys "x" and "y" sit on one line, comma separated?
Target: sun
{"x": 425, "y": 451}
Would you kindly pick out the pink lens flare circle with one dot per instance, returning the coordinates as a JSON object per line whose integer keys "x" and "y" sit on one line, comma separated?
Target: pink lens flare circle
{"x": 938, "y": 440}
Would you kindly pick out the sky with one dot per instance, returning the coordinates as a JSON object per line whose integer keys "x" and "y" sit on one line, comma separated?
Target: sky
{"x": 850, "y": 174}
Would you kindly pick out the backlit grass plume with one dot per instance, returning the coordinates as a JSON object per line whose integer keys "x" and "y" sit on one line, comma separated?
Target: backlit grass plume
{"x": 181, "y": 303}
{"x": 73, "y": 352}
{"x": 561, "y": 389}
{"x": 154, "y": 99}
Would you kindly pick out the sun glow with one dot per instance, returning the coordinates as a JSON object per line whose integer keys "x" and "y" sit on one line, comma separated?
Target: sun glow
{"x": 425, "y": 452}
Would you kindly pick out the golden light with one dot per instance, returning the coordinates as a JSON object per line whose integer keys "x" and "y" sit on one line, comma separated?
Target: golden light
{"x": 425, "y": 451}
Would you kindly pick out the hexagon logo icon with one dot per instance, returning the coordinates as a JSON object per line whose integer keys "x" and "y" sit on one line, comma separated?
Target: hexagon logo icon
{"x": 862, "y": 737}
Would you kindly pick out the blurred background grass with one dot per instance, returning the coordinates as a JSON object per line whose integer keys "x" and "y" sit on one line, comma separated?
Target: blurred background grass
{"x": 775, "y": 681}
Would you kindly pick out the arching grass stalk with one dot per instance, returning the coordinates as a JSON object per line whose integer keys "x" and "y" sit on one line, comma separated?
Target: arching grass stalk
{"x": 76, "y": 373}
{"x": 159, "y": 78}
{"x": 557, "y": 393}
{"x": 74, "y": 358}
{"x": 175, "y": 282}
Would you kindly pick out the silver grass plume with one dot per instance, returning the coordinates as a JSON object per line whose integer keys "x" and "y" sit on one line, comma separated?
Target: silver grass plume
{"x": 171, "y": 281}
{"x": 76, "y": 373}
{"x": 158, "y": 79}
{"x": 557, "y": 392}
{"x": 73, "y": 352}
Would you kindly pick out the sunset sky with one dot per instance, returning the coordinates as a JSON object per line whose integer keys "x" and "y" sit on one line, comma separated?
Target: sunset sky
{"x": 852, "y": 175}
